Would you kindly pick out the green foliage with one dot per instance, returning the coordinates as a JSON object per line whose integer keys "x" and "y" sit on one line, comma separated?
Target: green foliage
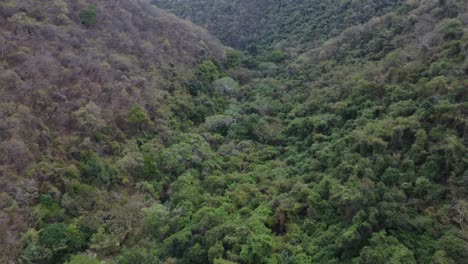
{"x": 104, "y": 242}
{"x": 454, "y": 246}
{"x": 186, "y": 193}
{"x": 257, "y": 250}
{"x": 157, "y": 220}
{"x": 48, "y": 209}
{"x": 451, "y": 28}
{"x": 88, "y": 17}
{"x": 277, "y": 56}
{"x": 440, "y": 257}
{"x": 227, "y": 86}
{"x": 191, "y": 153}
{"x": 385, "y": 249}
{"x": 32, "y": 251}
{"x": 207, "y": 72}
{"x": 51, "y": 244}
{"x": 233, "y": 59}
{"x": 136, "y": 255}
{"x": 95, "y": 169}
{"x": 219, "y": 123}
{"x": 289, "y": 22}
{"x": 222, "y": 261}
{"x": 137, "y": 118}
{"x": 82, "y": 259}
{"x": 268, "y": 68}
{"x": 59, "y": 236}
{"x": 244, "y": 128}
{"x": 89, "y": 117}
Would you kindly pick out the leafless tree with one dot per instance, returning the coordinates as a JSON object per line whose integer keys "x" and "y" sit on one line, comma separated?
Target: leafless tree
{"x": 15, "y": 153}
{"x": 460, "y": 215}
{"x": 4, "y": 45}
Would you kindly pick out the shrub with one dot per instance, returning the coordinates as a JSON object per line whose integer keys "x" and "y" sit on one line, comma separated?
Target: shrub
{"x": 137, "y": 118}
{"x": 233, "y": 59}
{"x": 219, "y": 123}
{"x": 94, "y": 169}
{"x": 59, "y": 236}
{"x": 451, "y": 28}
{"x": 277, "y": 56}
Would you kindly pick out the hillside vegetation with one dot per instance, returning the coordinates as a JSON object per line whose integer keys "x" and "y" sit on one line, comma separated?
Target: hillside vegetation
{"x": 289, "y": 23}
{"x": 77, "y": 79}
{"x": 336, "y": 134}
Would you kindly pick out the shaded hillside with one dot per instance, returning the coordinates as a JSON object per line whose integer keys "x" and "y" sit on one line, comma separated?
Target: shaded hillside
{"x": 287, "y": 23}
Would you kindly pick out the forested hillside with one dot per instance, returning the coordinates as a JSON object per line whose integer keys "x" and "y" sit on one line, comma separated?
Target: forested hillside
{"x": 77, "y": 80}
{"x": 289, "y": 23}
{"x": 337, "y": 133}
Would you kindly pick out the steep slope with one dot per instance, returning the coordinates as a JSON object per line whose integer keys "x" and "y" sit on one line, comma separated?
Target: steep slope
{"x": 77, "y": 72}
{"x": 287, "y": 23}
{"x": 366, "y": 156}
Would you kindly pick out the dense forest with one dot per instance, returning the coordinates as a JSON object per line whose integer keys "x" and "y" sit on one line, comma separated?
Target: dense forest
{"x": 310, "y": 132}
{"x": 246, "y": 24}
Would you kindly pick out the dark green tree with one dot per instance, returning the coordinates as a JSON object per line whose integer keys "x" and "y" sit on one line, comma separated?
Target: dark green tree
{"x": 88, "y": 17}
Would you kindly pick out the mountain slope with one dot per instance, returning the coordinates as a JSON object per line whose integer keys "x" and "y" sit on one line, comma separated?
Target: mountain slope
{"x": 369, "y": 129}
{"x": 286, "y": 23}
{"x": 72, "y": 71}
